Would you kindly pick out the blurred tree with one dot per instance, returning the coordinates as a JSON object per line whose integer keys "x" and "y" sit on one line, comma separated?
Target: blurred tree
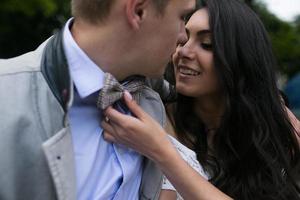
{"x": 285, "y": 38}
{"x": 297, "y": 23}
{"x": 29, "y": 7}
{"x": 25, "y": 24}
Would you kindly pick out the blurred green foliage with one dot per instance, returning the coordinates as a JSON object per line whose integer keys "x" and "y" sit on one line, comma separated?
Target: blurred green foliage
{"x": 29, "y": 7}
{"x": 285, "y": 39}
{"x": 25, "y": 24}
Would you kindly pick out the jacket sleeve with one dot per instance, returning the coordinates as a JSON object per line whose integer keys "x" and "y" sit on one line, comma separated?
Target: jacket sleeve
{"x": 165, "y": 90}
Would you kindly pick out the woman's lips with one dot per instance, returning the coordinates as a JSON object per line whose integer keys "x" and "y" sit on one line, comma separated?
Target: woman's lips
{"x": 188, "y": 71}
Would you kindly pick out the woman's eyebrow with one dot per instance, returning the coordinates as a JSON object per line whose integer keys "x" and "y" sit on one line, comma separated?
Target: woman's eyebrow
{"x": 200, "y": 33}
{"x": 203, "y": 32}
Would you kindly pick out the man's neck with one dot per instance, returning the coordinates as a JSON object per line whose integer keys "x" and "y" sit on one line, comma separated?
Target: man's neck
{"x": 103, "y": 47}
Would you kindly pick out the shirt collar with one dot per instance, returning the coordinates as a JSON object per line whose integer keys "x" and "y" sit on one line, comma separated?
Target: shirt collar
{"x": 87, "y": 76}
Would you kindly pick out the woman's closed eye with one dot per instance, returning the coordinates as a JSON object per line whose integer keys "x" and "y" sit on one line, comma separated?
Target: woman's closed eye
{"x": 204, "y": 38}
{"x": 206, "y": 45}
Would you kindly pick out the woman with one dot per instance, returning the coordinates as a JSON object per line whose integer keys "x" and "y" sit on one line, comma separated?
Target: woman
{"x": 229, "y": 111}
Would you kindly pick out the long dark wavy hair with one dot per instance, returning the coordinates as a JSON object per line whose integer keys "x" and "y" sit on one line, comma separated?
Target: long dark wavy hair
{"x": 255, "y": 147}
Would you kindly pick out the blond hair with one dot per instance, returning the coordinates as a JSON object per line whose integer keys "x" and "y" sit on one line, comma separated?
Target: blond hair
{"x": 97, "y": 10}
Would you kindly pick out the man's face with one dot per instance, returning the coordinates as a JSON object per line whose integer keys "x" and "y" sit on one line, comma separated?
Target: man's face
{"x": 162, "y": 34}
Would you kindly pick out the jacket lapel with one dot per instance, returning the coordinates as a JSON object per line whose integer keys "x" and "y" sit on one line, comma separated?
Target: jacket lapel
{"x": 59, "y": 154}
{"x": 58, "y": 149}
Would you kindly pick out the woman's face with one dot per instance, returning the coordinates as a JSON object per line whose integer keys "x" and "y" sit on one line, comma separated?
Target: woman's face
{"x": 194, "y": 68}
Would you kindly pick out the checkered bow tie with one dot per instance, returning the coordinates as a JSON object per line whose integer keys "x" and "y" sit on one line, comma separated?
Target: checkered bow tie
{"x": 112, "y": 90}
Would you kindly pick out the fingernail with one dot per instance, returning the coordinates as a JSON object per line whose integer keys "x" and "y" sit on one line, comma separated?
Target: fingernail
{"x": 128, "y": 95}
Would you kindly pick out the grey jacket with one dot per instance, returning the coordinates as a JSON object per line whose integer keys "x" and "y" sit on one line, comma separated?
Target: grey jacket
{"x": 36, "y": 153}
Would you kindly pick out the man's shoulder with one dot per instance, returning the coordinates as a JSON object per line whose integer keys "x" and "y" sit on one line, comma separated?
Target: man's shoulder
{"x": 151, "y": 103}
{"x": 28, "y": 62}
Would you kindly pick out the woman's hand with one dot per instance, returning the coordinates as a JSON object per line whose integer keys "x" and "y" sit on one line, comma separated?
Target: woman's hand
{"x": 141, "y": 133}
{"x": 147, "y": 137}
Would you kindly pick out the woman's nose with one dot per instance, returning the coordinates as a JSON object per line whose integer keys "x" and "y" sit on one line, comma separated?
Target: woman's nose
{"x": 186, "y": 51}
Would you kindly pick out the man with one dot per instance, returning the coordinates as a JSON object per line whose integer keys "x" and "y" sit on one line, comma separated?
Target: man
{"x": 51, "y": 144}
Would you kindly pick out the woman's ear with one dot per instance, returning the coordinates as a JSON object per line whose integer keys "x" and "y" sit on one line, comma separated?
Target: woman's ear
{"x": 136, "y": 11}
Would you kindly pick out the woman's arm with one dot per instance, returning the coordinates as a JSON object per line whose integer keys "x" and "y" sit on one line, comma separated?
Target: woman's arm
{"x": 168, "y": 195}
{"x": 295, "y": 123}
{"x": 146, "y": 136}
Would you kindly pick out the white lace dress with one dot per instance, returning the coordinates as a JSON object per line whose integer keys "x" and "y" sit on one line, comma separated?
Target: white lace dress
{"x": 190, "y": 157}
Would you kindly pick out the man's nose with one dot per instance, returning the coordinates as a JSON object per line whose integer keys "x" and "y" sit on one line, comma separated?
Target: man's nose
{"x": 183, "y": 37}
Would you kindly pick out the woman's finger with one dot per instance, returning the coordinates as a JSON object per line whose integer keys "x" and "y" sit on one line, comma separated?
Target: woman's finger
{"x": 109, "y": 137}
{"x": 133, "y": 106}
{"x": 115, "y": 116}
{"x": 107, "y": 126}
{"x": 113, "y": 129}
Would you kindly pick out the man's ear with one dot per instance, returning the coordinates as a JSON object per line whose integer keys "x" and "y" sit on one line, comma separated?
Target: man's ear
{"x": 136, "y": 11}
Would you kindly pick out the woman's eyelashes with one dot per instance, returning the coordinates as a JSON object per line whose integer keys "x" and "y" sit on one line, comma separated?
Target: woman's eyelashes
{"x": 206, "y": 46}
{"x": 205, "y": 43}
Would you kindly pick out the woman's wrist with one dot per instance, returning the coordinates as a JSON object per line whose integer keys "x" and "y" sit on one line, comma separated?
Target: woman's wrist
{"x": 165, "y": 153}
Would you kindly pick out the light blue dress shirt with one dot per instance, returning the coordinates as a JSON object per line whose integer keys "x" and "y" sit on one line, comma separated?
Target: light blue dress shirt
{"x": 104, "y": 171}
